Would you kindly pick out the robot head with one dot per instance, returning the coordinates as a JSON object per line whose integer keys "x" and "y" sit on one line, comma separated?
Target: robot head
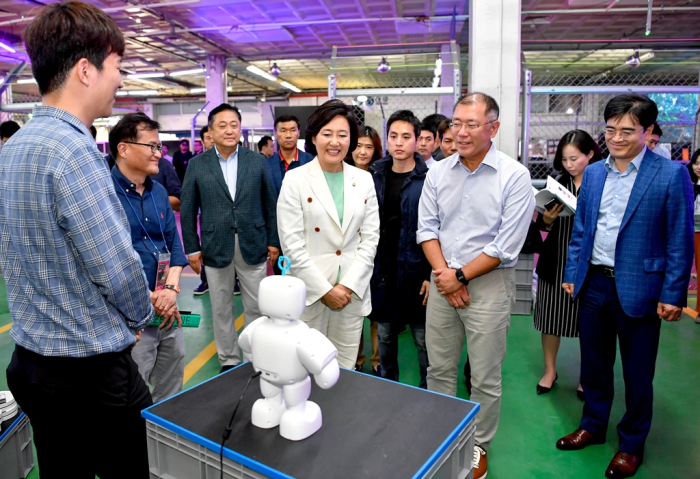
{"x": 282, "y": 297}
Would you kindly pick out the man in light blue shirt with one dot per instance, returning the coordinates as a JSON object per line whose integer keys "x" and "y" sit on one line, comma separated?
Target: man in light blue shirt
{"x": 616, "y": 193}
{"x": 629, "y": 262}
{"x": 475, "y": 210}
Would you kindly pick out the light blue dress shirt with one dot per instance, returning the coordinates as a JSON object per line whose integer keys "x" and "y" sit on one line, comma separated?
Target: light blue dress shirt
{"x": 613, "y": 203}
{"x": 229, "y": 167}
{"x": 486, "y": 211}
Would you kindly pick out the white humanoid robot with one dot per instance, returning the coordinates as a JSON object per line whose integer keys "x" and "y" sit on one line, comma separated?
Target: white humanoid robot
{"x": 285, "y": 350}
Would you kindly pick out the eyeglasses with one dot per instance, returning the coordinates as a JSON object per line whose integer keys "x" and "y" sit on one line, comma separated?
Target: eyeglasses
{"x": 625, "y": 134}
{"x": 157, "y": 147}
{"x": 456, "y": 126}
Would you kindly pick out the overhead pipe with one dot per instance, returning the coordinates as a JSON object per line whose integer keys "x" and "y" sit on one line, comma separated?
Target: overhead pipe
{"x": 112, "y": 10}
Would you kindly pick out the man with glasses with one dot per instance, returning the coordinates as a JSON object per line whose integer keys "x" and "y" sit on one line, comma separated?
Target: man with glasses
{"x": 629, "y": 261}
{"x": 238, "y": 206}
{"x": 135, "y": 145}
{"x": 474, "y": 215}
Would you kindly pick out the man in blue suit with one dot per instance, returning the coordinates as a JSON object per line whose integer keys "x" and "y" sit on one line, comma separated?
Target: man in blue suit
{"x": 287, "y": 156}
{"x": 629, "y": 259}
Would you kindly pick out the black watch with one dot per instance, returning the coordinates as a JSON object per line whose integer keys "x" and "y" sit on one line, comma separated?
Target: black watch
{"x": 460, "y": 277}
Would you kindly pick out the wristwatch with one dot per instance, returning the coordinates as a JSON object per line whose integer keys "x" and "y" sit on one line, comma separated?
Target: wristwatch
{"x": 173, "y": 287}
{"x": 460, "y": 277}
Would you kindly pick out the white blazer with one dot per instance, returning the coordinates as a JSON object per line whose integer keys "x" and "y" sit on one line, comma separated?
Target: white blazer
{"x": 317, "y": 244}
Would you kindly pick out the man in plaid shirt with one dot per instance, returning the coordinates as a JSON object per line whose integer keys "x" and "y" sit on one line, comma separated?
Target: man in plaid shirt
{"x": 76, "y": 288}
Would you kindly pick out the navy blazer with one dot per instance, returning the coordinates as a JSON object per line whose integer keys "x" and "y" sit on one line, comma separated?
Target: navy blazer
{"x": 273, "y": 167}
{"x": 654, "y": 247}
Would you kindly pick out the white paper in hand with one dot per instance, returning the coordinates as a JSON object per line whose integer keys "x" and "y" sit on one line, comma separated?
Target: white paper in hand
{"x": 555, "y": 190}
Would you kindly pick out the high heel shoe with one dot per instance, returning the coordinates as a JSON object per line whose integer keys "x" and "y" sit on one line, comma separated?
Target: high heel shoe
{"x": 544, "y": 390}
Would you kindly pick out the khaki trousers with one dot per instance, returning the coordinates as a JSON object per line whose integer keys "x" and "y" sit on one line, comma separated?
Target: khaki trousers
{"x": 221, "y": 284}
{"x": 343, "y": 329}
{"x": 485, "y": 323}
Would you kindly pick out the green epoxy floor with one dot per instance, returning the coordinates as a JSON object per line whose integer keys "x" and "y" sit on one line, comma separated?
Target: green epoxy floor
{"x": 530, "y": 425}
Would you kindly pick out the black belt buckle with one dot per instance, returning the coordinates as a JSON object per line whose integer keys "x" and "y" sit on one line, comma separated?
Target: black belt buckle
{"x": 607, "y": 271}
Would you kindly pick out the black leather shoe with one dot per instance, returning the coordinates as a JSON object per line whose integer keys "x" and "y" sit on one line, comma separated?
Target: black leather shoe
{"x": 544, "y": 390}
{"x": 579, "y": 439}
{"x": 226, "y": 368}
{"x": 623, "y": 465}
{"x": 580, "y": 395}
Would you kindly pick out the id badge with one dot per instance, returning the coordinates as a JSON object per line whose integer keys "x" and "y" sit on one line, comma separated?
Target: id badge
{"x": 163, "y": 267}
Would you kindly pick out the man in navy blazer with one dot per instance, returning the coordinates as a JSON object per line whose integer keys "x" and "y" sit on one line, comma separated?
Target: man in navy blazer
{"x": 629, "y": 259}
{"x": 287, "y": 156}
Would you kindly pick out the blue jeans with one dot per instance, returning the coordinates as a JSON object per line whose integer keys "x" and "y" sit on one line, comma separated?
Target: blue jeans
{"x": 389, "y": 350}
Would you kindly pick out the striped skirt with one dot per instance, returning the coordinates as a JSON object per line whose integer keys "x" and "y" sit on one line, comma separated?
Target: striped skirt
{"x": 555, "y": 312}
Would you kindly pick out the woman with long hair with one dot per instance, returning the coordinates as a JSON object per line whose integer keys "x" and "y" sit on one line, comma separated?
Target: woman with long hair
{"x": 556, "y": 315}
{"x": 328, "y": 223}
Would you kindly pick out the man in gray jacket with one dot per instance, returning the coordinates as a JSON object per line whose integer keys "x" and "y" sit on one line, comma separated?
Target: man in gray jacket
{"x": 238, "y": 205}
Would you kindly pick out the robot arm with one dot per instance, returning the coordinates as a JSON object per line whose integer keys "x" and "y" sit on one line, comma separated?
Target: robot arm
{"x": 246, "y": 337}
{"x": 318, "y": 355}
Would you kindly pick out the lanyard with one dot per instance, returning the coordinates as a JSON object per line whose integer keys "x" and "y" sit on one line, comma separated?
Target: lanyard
{"x": 139, "y": 219}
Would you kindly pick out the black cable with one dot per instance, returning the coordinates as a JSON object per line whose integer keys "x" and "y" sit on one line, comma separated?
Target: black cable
{"x": 227, "y": 431}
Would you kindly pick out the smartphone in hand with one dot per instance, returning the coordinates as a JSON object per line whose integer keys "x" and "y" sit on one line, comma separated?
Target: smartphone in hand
{"x": 551, "y": 204}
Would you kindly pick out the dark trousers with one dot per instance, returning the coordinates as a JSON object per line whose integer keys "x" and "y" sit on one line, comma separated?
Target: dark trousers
{"x": 389, "y": 350}
{"x": 601, "y": 323}
{"x": 203, "y": 276}
{"x": 85, "y": 413}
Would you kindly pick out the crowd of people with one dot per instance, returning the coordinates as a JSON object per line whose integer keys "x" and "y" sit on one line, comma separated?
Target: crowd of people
{"x": 424, "y": 236}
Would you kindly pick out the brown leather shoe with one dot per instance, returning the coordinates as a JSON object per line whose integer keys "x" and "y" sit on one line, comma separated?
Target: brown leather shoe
{"x": 480, "y": 463}
{"x": 579, "y": 439}
{"x": 623, "y": 465}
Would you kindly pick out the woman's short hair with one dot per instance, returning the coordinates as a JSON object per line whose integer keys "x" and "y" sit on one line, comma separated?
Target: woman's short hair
{"x": 323, "y": 115}
{"x": 582, "y": 141}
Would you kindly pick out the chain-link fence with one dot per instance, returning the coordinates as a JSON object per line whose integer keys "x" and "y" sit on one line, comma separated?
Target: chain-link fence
{"x": 414, "y": 83}
{"x": 554, "y": 113}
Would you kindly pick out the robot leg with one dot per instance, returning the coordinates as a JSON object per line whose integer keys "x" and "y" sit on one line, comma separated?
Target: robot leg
{"x": 302, "y": 418}
{"x": 267, "y": 412}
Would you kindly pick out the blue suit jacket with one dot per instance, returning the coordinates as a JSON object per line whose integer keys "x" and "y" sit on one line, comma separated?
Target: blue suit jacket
{"x": 654, "y": 248}
{"x": 273, "y": 167}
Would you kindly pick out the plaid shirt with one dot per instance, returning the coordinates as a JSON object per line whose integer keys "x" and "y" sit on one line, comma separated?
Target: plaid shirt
{"x": 75, "y": 285}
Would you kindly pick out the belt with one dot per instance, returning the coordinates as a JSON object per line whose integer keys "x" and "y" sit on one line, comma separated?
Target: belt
{"x": 607, "y": 271}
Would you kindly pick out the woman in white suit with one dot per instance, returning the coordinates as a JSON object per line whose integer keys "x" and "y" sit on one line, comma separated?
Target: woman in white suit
{"x": 328, "y": 223}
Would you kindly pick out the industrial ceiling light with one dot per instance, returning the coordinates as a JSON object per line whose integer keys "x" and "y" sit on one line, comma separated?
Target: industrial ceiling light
{"x": 137, "y": 93}
{"x": 198, "y": 90}
{"x": 183, "y": 73}
{"x": 8, "y": 48}
{"x": 275, "y": 70}
{"x": 634, "y": 61}
{"x": 139, "y": 76}
{"x": 259, "y": 72}
{"x": 647, "y": 32}
{"x": 172, "y": 36}
{"x": 26, "y": 81}
{"x": 290, "y": 86}
{"x": 383, "y": 66}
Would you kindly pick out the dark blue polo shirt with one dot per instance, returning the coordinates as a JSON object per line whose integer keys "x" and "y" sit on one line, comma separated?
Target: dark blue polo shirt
{"x": 143, "y": 213}
{"x": 167, "y": 176}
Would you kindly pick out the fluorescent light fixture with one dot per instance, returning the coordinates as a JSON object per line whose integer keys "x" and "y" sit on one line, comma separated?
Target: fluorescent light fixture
{"x": 26, "y": 81}
{"x": 258, "y": 71}
{"x": 183, "y": 73}
{"x": 198, "y": 90}
{"x": 290, "y": 86}
{"x": 8, "y": 48}
{"x": 133, "y": 10}
{"x": 650, "y": 3}
{"x": 137, "y": 93}
{"x": 136, "y": 76}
